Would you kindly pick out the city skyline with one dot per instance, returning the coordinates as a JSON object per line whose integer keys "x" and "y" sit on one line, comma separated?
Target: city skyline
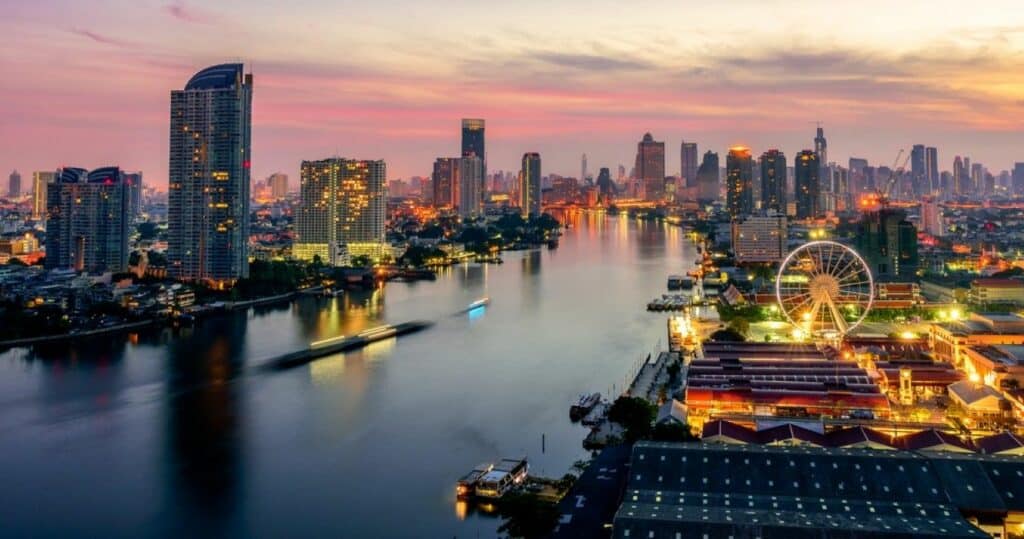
{"x": 880, "y": 84}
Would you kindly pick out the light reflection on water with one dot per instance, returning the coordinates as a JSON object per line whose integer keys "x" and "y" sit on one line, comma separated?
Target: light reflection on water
{"x": 180, "y": 432}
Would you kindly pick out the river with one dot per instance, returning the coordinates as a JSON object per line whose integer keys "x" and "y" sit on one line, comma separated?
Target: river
{"x": 164, "y": 434}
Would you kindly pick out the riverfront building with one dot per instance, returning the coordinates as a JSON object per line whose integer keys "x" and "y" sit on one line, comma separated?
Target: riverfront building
{"x": 471, "y": 186}
{"x": 445, "y": 182}
{"x": 87, "y": 221}
{"x": 759, "y": 238}
{"x": 650, "y": 168}
{"x": 739, "y": 168}
{"x": 343, "y": 210}
{"x": 530, "y": 186}
{"x": 208, "y": 176}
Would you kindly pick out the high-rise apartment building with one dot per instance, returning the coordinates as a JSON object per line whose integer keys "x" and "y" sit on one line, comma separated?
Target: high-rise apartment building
{"x": 807, "y": 184}
{"x": 1017, "y": 179}
{"x": 343, "y": 210}
{"x": 918, "y": 169}
{"x": 14, "y": 185}
{"x": 445, "y": 180}
{"x": 605, "y": 185}
{"x": 87, "y": 220}
{"x": 529, "y": 187}
{"x": 931, "y": 168}
{"x": 773, "y": 181}
{"x": 208, "y": 176}
{"x": 471, "y": 186}
{"x": 739, "y": 165}
{"x": 888, "y": 243}
{"x": 583, "y": 168}
{"x": 650, "y": 168}
{"x": 707, "y": 178}
{"x": 688, "y": 163}
{"x": 133, "y": 182}
{"x": 40, "y": 181}
{"x": 961, "y": 177}
{"x": 278, "y": 183}
{"x": 931, "y": 217}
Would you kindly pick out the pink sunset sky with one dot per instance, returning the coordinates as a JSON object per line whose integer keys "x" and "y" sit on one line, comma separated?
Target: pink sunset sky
{"x": 87, "y": 82}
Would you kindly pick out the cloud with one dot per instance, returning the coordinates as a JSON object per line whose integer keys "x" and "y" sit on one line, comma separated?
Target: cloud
{"x": 99, "y": 38}
{"x": 590, "y": 62}
{"x": 188, "y": 14}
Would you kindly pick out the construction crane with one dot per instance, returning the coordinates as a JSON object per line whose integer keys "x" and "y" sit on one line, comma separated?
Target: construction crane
{"x": 879, "y": 198}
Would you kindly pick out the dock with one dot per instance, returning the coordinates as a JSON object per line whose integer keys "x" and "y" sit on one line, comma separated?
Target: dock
{"x": 342, "y": 344}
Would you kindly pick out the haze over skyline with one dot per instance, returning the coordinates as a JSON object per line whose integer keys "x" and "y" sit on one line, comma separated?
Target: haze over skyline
{"x": 89, "y": 81}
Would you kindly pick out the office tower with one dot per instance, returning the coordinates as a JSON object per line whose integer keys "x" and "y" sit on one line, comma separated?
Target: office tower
{"x": 473, "y": 138}
{"x": 583, "y": 168}
{"x": 208, "y": 177}
{"x": 821, "y": 150}
{"x": 931, "y": 216}
{"x": 960, "y": 177}
{"x": 605, "y": 185}
{"x": 918, "y": 169}
{"x": 773, "y": 181}
{"x": 858, "y": 175}
{"x": 14, "y": 185}
{"x": 471, "y": 192}
{"x": 650, "y": 168}
{"x": 707, "y": 178}
{"x": 445, "y": 179}
{"x": 739, "y": 182}
{"x": 759, "y": 238}
{"x": 529, "y": 187}
{"x": 931, "y": 167}
{"x": 888, "y": 243}
{"x": 946, "y": 184}
{"x": 688, "y": 163}
{"x": 1017, "y": 179}
{"x": 977, "y": 179}
{"x": 39, "y": 182}
{"x": 343, "y": 210}
{"x": 133, "y": 182}
{"x": 278, "y": 183}
{"x": 87, "y": 220}
{"x": 807, "y": 184}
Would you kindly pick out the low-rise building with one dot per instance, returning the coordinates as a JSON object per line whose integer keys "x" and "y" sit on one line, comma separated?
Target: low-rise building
{"x": 948, "y": 340}
{"x": 996, "y": 290}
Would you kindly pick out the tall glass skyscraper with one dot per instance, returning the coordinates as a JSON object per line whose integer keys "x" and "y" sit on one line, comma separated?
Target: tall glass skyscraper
{"x": 688, "y": 162}
{"x": 739, "y": 167}
{"x": 773, "y": 181}
{"x": 529, "y": 189}
{"x": 208, "y": 176}
{"x": 807, "y": 184}
{"x": 343, "y": 211}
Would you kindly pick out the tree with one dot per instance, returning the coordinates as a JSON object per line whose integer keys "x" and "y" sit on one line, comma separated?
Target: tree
{"x": 634, "y": 414}
{"x": 361, "y": 261}
{"x": 16, "y": 262}
{"x": 741, "y": 326}
{"x": 728, "y": 334}
{"x": 673, "y": 432}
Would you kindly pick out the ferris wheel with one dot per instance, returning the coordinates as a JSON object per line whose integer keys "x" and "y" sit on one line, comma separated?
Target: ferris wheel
{"x": 824, "y": 289}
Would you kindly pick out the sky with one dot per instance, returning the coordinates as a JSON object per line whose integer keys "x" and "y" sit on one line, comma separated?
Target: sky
{"x": 87, "y": 82}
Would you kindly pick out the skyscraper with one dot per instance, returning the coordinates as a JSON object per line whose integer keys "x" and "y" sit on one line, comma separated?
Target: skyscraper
{"x": 960, "y": 177}
{"x": 858, "y": 174}
{"x": 208, "y": 176}
{"x": 343, "y": 211}
{"x": 471, "y": 185}
{"x": 278, "y": 183}
{"x": 888, "y": 243}
{"x": 87, "y": 220}
{"x": 583, "y": 169}
{"x": 529, "y": 188}
{"x": 1017, "y": 179}
{"x": 445, "y": 180}
{"x": 650, "y": 167}
{"x": 473, "y": 138}
{"x": 918, "y": 169}
{"x": 821, "y": 150}
{"x": 688, "y": 162}
{"x": 605, "y": 185}
{"x": 739, "y": 165}
{"x": 14, "y": 185}
{"x": 931, "y": 167}
{"x": 133, "y": 182}
{"x": 807, "y": 184}
{"x": 40, "y": 181}
{"x": 707, "y": 177}
{"x": 773, "y": 181}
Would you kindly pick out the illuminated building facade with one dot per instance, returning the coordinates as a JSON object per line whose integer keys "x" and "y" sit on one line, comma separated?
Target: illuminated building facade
{"x": 530, "y": 187}
{"x": 87, "y": 220}
{"x": 773, "y": 181}
{"x": 40, "y": 181}
{"x": 759, "y": 238}
{"x": 806, "y": 171}
{"x": 471, "y": 186}
{"x": 343, "y": 210}
{"x": 208, "y": 176}
{"x": 739, "y": 166}
{"x": 473, "y": 144}
{"x": 650, "y": 168}
{"x": 445, "y": 182}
